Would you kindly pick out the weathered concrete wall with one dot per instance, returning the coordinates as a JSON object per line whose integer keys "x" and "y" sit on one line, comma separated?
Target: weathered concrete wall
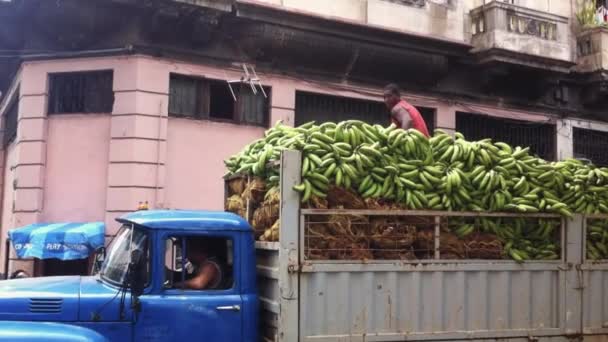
{"x": 431, "y": 19}
{"x": 435, "y": 20}
{"x": 446, "y": 22}
{"x": 558, "y": 7}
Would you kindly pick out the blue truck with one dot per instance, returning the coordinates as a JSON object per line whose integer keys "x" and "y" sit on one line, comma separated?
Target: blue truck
{"x": 133, "y": 296}
{"x": 280, "y": 291}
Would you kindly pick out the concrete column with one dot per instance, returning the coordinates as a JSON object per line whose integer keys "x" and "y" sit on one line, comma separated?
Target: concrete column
{"x": 29, "y": 160}
{"x": 136, "y": 170}
{"x": 564, "y": 139}
{"x": 283, "y": 104}
{"x": 446, "y": 117}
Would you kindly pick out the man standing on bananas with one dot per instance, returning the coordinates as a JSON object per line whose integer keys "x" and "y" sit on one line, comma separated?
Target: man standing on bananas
{"x": 403, "y": 114}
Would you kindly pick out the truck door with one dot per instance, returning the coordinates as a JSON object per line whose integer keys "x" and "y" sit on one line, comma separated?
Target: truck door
{"x": 211, "y": 314}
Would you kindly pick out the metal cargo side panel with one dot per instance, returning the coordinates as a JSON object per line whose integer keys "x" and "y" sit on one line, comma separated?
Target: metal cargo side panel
{"x": 595, "y": 299}
{"x": 374, "y": 302}
{"x": 592, "y": 277}
{"x": 267, "y": 263}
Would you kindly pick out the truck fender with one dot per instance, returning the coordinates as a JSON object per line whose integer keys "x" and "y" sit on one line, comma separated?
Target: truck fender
{"x": 43, "y": 331}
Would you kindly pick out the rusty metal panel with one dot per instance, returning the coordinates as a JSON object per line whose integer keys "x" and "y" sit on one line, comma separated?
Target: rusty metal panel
{"x": 395, "y": 305}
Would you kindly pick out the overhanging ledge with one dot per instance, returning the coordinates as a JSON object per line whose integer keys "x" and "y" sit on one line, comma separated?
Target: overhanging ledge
{"x": 347, "y": 29}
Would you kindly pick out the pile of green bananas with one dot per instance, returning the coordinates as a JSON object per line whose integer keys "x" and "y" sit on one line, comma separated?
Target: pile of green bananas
{"x": 585, "y": 188}
{"x": 441, "y": 173}
{"x": 525, "y": 238}
{"x": 597, "y": 239}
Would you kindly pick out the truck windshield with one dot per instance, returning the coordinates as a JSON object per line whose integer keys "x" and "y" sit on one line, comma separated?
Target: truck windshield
{"x": 114, "y": 268}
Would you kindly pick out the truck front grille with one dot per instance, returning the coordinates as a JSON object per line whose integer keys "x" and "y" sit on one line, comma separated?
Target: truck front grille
{"x": 45, "y": 305}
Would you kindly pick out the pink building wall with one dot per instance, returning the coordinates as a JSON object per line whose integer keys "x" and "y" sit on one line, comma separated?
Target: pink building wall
{"x": 76, "y": 168}
{"x": 7, "y": 198}
{"x": 91, "y": 167}
{"x": 195, "y": 152}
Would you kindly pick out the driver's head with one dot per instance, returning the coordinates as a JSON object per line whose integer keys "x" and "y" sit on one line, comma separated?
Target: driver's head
{"x": 197, "y": 249}
{"x": 392, "y": 95}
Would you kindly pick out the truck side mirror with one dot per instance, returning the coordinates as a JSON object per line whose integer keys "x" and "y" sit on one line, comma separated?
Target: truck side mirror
{"x": 100, "y": 257}
{"x": 137, "y": 273}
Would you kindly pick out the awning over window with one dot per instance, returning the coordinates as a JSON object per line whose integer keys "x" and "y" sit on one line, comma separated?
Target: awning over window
{"x": 64, "y": 241}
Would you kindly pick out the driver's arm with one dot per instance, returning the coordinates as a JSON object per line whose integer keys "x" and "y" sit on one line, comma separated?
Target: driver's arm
{"x": 201, "y": 280}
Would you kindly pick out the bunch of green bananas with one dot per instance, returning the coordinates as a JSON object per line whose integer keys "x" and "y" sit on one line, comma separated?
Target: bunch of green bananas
{"x": 440, "y": 173}
{"x": 524, "y": 238}
{"x": 585, "y": 187}
{"x": 597, "y": 239}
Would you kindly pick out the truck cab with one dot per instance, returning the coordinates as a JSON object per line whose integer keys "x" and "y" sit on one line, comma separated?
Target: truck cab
{"x": 134, "y": 294}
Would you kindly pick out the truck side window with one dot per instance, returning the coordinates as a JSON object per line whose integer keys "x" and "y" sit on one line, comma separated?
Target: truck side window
{"x": 198, "y": 263}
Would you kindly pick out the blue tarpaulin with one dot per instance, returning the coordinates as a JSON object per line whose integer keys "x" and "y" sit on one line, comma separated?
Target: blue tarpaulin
{"x": 64, "y": 241}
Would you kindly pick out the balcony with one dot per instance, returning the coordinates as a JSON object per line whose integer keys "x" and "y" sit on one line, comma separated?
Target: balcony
{"x": 592, "y": 65}
{"x": 509, "y": 34}
{"x": 592, "y": 50}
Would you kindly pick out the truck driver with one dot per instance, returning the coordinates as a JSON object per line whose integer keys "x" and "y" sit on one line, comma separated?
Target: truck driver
{"x": 207, "y": 274}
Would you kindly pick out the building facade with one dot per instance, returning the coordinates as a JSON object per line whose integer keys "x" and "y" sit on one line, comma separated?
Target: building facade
{"x": 106, "y": 104}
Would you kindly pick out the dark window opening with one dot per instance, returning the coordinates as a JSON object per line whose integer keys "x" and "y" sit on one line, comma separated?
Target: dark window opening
{"x": 56, "y": 267}
{"x": 81, "y": 92}
{"x": 592, "y": 145}
{"x": 221, "y": 102}
{"x": 205, "y": 99}
{"x": 186, "y": 257}
{"x": 11, "y": 122}
{"x": 540, "y": 137}
{"x": 323, "y": 108}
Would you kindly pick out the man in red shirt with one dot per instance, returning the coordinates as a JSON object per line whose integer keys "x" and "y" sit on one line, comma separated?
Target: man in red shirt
{"x": 403, "y": 114}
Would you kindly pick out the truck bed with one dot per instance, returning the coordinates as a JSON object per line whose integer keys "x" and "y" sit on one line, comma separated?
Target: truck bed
{"x": 425, "y": 300}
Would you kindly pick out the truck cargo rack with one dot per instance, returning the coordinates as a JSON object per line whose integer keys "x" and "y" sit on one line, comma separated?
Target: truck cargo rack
{"x": 399, "y": 242}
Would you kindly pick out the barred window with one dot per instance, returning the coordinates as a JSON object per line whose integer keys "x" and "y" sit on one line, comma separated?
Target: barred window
{"x": 81, "y": 92}
{"x": 591, "y": 144}
{"x": 205, "y": 99}
{"x": 540, "y": 137}
{"x": 321, "y": 108}
{"x": 11, "y": 122}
